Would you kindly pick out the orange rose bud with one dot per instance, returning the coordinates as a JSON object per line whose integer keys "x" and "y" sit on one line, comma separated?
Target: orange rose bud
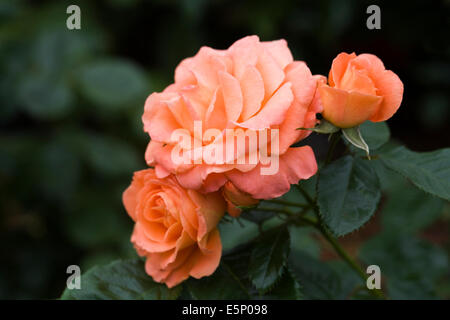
{"x": 235, "y": 197}
{"x": 359, "y": 89}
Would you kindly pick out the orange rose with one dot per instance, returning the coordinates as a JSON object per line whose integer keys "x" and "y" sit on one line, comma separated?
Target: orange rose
{"x": 252, "y": 86}
{"x": 236, "y": 198}
{"x": 360, "y": 89}
{"x": 175, "y": 228}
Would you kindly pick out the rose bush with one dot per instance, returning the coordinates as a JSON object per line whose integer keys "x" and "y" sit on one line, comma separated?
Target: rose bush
{"x": 257, "y": 87}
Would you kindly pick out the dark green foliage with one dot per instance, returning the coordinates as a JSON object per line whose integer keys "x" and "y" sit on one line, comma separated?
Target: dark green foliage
{"x": 317, "y": 279}
{"x": 348, "y": 194}
{"x": 268, "y": 258}
{"x": 125, "y": 280}
{"x": 429, "y": 171}
{"x": 411, "y": 266}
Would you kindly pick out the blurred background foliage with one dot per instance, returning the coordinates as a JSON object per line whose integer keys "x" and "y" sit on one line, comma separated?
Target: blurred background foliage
{"x": 71, "y": 133}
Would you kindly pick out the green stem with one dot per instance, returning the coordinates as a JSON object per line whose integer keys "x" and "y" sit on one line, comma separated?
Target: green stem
{"x": 296, "y": 216}
{"x": 334, "y": 141}
{"x": 236, "y": 278}
{"x": 306, "y": 195}
{"x": 288, "y": 203}
{"x": 344, "y": 255}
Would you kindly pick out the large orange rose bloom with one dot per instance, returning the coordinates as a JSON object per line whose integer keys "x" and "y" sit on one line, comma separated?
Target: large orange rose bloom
{"x": 252, "y": 85}
{"x": 175, "y": 228}
{"x": 360, "y": 89}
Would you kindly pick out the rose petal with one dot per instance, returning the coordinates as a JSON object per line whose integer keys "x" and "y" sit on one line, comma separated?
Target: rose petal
{"x": 345, "y": 109}
{"x": 208, "y": 257}
{"x": 279, "y": 51}
{"x": 338, "y": 67}
{"x": 232, "y": 96}
{"x": 273, "y": 112}
{"x": 252, "y": 86}
{"x": 271, "y": 72}
{"x": 295, "y": 164}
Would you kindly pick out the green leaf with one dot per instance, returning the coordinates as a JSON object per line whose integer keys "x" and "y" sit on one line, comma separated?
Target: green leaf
{"x": 353, "y": 135}
{"x": 113, "y": 83}
{"x": 108, "y": 155}
{"x": 302, "y": 239}
{"x": 411, "y": 266}
{"x": 316, "y": 278}
{"x": 125, "y": 280}
{"x": 351, "y": 285}
{"x": 323, "y": 127}
{"x": 256, "y": 216}
{"x": 287, "y": 288}
{"x": 294, "y": 194}
{"x": 409, "y": 210}
{"x": 375, "y": 134}
{"x": 429, "y": 171}
{"x": 268, "y": 258}
{"x": 348, "y": 194}
{"x": 60, "y": 50}
{"x": 236, "y": 233}
{"x": 229, "y": 281}
{"x": 237, "y": 264}
{"x": 406, "y": 209}
{"x": 389, "y": 180}
{"x": 44, "y": 97}
{"x": 223, "y": 284}
{"x": 272, "y": 223}
{"x": 100, "y": 258}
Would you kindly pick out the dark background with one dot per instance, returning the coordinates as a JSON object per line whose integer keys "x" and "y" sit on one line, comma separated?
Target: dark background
{"x": 71, "y": 101}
